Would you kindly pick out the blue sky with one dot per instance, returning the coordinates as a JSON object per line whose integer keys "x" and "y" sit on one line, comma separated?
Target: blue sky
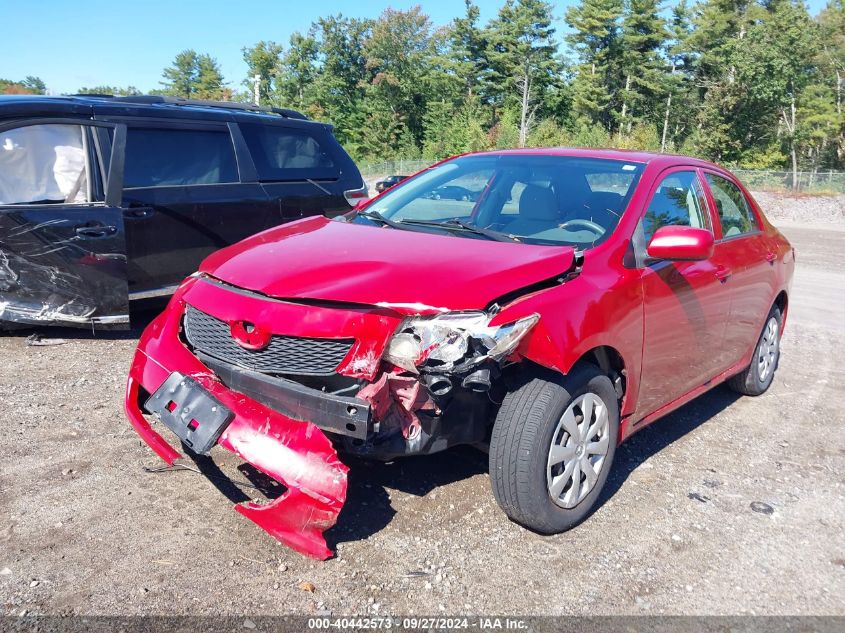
{"x": 70, "y": 44}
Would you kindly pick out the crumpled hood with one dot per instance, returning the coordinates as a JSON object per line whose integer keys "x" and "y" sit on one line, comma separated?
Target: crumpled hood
{"x": 410, "y": 271}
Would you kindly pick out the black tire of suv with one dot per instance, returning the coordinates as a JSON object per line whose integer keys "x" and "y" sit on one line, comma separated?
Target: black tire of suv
{"x": 748, "y": 381}
{"x": 520, "y": 443}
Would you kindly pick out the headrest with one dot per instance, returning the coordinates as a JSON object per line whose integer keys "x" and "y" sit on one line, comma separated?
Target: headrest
{"x": 538, "y": 203}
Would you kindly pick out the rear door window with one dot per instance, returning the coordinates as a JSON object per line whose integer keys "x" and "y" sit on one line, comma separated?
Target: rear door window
{"x": 286, "y": 153}
{"x": 162, "y": 157}
{"x": 678, "y": 201}
{"x": 44, "y": 164}
{"x": 735, "y": 216}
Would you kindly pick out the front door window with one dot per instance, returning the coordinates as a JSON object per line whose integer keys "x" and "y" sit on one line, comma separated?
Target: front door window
{"x": 43, "y": 164}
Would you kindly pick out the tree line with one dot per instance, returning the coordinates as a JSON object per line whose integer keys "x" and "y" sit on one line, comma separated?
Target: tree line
{"x": 751, "y": 83}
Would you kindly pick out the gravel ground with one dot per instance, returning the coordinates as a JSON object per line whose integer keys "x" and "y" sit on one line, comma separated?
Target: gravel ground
{"x": 728, "y": 506}
{"x": 804, "y": 208}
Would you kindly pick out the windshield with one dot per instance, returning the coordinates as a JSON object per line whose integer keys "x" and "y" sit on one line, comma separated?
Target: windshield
{"x": 534, "y": 199}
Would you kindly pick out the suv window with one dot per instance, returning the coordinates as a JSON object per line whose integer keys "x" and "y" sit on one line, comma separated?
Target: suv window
{"x": 734, "y": 214}
{"x": 678, "y": 201}
{"x": 287, "y": 153}
{"x": 166, "y": 157}
{"x": 44, "y": 164}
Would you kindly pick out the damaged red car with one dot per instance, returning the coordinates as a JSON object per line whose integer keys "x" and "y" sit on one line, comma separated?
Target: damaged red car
{"x": 574, "y": 297}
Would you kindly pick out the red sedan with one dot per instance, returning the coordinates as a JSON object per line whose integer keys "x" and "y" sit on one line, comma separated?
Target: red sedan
{"x": 573, "y": 298}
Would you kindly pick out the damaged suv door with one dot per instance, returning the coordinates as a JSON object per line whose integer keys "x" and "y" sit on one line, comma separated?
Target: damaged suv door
{"x": 62, "y": 248}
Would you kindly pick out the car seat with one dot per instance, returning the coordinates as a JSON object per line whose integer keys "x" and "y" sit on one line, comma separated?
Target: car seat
{"x": 538, "y": 211}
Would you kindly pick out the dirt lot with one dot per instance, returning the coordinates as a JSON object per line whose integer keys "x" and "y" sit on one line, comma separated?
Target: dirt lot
{"x": 729, "y": 506}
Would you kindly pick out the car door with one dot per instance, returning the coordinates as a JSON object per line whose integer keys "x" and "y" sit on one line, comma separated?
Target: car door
{"x": 743, "y": 255}
{"x": 62, "y": 248}
{"x": 190, "y": 189}
{"x": 685, "y": 303}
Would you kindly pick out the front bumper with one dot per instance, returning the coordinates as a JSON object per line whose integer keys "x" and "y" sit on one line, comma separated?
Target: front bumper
{"x": 295, "y": 453}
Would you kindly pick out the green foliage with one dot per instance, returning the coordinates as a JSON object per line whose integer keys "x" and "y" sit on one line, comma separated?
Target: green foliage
{"x": 757, "y": 83}
{"x": 195, "y": 76}
{"x": 263, "y": 61}
{"x": 128, "y": 91}
{"x": 29, "y": 86}
{"x": 522, "y": 55}
{"x": 595, "y": 39}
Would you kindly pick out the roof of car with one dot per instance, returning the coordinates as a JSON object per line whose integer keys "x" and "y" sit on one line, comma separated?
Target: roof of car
{"x": 142, "y": 105}
{"x": 631, "y": 156}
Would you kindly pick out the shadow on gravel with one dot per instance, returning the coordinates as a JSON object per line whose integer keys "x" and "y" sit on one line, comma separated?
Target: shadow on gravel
{"x": 662, "y": 433}
{"x": 368, "y": 509}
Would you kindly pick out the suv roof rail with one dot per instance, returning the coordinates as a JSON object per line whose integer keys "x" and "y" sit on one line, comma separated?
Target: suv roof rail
{"x": 229, "y": 105}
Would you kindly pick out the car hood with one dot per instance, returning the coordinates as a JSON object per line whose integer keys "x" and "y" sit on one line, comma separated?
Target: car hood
{"x": 409, "y": 271}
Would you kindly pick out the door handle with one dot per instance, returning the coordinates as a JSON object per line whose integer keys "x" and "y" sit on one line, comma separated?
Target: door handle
{"x": 723, "y": 273}
{"x": 771, "y": 258}
{"x": 137, "y": 214}
{"x": 96, "y": 232}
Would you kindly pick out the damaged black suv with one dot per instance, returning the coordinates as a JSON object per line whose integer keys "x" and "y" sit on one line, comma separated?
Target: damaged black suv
{"x": 106, "y": 199}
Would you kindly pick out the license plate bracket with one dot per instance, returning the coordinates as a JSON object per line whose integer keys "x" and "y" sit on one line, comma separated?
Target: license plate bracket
{"x": 191, "y": 412}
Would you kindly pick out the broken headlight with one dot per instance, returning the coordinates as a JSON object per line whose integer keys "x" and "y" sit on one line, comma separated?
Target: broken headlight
{"x": 446, "y": 340}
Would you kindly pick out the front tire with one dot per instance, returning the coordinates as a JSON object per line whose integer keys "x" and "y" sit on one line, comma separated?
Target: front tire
{"x": 755, "y": 379}
{"x": 552, "y": 448}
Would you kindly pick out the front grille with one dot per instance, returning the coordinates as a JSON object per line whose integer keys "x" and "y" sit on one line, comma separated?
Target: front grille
{"x": 284, "y": 355}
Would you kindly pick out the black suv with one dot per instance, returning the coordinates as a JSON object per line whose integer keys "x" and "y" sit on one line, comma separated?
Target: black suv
{"x": 105, "y": 199}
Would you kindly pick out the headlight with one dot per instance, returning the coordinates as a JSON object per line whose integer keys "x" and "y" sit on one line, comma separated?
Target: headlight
{"x": 448, "y": 338}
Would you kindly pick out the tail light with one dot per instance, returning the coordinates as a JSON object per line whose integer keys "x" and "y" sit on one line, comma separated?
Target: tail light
{"x": 356, "y": 196}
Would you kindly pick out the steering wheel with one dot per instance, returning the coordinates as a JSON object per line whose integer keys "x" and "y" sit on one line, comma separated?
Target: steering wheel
{"x": 587, "y": 224}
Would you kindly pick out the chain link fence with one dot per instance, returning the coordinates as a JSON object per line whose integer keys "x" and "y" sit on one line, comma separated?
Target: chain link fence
{"x": 755, "y": 180}
{"x": 780, "y": 181}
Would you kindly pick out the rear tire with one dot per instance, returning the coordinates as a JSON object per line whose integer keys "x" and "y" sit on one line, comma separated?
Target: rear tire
{"x": 548, "y": 433}
{"x": 757, "y": 377}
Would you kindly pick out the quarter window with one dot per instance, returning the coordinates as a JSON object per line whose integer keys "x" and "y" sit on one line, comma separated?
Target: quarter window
{"x": 169, "y": 157}
{"x": 734, "y": 213}
{"x": 678, "y": 201}
{"x": 42, "y": 164}
{"x": 288, "y": 153}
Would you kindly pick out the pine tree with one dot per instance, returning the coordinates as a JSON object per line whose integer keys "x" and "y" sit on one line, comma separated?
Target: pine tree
{"x": 642, "y": 36}
{"x": 195, "y": 76}
{"x": 209, "y": 80}
{"x": 680, "y": 98}
{"x": 596, "y": 25}
{"x": 180, "y": 78}
{"x": 523, "y": 57}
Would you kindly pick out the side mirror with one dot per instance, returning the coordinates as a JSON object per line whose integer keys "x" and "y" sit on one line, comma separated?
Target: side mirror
{"x": 684, "y": 243}
{"x": 361, "y": 204}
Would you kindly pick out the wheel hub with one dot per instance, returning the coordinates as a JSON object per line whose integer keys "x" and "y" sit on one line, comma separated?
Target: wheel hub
{"x": 578, "y": 450}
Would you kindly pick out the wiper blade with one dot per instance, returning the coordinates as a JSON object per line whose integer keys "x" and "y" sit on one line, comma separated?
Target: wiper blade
{"x": 457, "y": 223}
{"x": 375, "y": 216}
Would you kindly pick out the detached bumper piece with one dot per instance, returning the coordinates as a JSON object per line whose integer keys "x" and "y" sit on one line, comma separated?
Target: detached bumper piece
{"x": 295, "y": 453}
